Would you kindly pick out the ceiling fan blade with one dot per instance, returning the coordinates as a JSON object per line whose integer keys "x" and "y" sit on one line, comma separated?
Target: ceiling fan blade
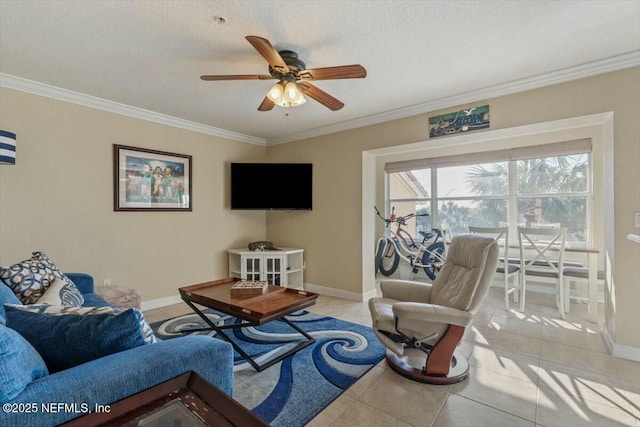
{"x": 355, "y": 71}
{"x": 268, "y": 52}
{"x": 321, "y": 96}
{"x": 238, "y": 77}
{"x": 267, "y": 104}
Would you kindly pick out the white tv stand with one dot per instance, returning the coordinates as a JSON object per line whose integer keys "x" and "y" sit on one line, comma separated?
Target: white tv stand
{"x": 283, "y": 267}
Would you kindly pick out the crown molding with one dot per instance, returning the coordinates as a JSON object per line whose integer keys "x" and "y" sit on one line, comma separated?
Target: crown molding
{"x": 615, "y": 63}
{"x": 42, "y": 89}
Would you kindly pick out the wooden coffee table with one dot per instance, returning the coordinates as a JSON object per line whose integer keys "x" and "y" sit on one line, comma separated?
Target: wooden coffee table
{"x": 187, "y": 400}
{"x": 254, "y": 310}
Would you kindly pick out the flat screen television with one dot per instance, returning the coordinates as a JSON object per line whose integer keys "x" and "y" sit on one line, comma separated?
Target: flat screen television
{"x": 271, "y": 186}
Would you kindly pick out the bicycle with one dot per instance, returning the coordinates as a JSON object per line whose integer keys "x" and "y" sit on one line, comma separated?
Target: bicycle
{"x": 393, "y": 246}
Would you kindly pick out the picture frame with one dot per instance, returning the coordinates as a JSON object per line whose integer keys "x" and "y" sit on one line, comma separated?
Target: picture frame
{"x": 151, "y": 180}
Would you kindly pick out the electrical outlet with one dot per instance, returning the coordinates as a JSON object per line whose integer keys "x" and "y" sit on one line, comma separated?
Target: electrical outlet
{"x": 637, "y": 219}
{"x": 106, "y": 282}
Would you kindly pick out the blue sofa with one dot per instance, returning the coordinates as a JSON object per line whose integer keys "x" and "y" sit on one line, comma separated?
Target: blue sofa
{"x": 114, "y": 377}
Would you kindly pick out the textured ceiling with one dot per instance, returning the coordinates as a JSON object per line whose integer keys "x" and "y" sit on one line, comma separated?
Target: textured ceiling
{"x": 150, "y": 54}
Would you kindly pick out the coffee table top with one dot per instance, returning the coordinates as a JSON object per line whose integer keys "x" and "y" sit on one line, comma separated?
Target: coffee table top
{"x": 276, "y": 302}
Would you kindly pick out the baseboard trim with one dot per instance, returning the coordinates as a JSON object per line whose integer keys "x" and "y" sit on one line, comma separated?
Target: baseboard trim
{"x": 620, "y": 350}
{"x": 371, "y": 294}
{"x": 338, "y": 293}
{"x": 160, "y": 302}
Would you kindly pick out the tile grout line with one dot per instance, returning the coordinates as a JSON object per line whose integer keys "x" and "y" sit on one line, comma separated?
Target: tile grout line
{"x": 497, "y": 409}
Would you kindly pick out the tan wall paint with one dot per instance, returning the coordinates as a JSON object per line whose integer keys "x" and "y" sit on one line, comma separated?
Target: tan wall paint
{"x": 331, "y": 234}
{"x": 59, "y": 198}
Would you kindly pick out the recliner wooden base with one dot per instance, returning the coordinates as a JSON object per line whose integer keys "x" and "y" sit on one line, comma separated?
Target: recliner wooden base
{"x": 442, "y": 366}
{"x": 458, "y": 371}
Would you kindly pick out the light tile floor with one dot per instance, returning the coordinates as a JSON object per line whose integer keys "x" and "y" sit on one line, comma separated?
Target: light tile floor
{"x": 527, "y": 369}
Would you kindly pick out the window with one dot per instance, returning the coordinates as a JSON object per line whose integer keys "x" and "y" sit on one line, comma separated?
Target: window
{"x": 544, "y": 186}
{"x": 553, "y": 192}
{"x": 473, "y": 194}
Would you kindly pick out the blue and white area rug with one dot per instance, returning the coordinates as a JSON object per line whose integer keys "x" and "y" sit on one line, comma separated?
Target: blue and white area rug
{"x": 293, "y": 391}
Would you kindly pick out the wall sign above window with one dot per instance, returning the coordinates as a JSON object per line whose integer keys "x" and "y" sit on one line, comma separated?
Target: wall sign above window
{"x": 471, "y": 119}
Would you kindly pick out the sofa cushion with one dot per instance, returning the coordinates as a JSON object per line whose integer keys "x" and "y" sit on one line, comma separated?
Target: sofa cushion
{"x": 65, "y": 341}
{"x": 6, "y": 296}
{"x": 144, "y": 330}
{"x": 117, "y": 376}
{"x": 62, "y": 293}
{"x": 20, "y": 364}
{"x": 83, "y": 281}
{"x": 29, "y": 279}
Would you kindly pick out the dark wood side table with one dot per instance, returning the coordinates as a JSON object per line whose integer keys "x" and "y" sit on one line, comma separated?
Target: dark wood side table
{"x": 186, "y": 400}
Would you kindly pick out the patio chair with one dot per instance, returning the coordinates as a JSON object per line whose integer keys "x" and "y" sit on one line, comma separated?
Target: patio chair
{"x": 546, "y": 263}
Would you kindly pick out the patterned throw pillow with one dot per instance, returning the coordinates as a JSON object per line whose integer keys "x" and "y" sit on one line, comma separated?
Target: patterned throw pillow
{"x": 61, "y": 310}
{"x": 42, "y": 257}
{"x": 30, "y": 278}
{"x": 61, "y": 293}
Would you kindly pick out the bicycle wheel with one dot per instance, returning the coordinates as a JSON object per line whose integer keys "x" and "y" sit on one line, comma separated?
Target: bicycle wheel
{"x": 378, "y": 258}
{"x": 433, "y": 259}
{"x": 387, "y": 259}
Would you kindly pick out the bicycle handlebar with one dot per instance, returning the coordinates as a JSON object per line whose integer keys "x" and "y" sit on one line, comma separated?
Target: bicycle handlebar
{"x": 400, "y": 219}
{"x": 380, "y": 215}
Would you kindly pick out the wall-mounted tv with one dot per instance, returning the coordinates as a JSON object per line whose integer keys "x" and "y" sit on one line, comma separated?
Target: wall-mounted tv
{"x": 271, "y": 186}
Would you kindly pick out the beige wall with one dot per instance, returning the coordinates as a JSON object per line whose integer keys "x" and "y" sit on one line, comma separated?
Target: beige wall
{"x": 331, "y": 234}
{"x": 58, "y": 198}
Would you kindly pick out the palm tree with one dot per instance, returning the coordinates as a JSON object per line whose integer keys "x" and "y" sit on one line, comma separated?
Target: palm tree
{"x": 489, "y": 181}
{"x": 457, "y": 217}
{"x": 537, "y": 177}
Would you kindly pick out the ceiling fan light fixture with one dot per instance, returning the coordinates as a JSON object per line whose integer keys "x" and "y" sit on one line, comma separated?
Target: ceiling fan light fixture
{"x": 286, "y": 94}
{"x": 292, "y": 92}
{"x": 298, "y": 101}
{"x": 276, "y": 93}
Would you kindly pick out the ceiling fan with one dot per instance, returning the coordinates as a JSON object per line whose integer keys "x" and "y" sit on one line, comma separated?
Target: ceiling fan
{"x": 293, "y": 78}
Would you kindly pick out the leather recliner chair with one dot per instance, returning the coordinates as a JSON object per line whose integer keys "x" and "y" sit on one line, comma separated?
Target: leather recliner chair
{"x": 413, "y": 318}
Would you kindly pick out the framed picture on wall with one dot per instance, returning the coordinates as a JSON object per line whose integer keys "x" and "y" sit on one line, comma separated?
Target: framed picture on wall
{"x": 150, "y": 180}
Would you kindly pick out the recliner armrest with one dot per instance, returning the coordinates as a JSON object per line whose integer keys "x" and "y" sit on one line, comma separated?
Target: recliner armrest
{"x": 419, "y": 312}
{"x": 406, "y": 290}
